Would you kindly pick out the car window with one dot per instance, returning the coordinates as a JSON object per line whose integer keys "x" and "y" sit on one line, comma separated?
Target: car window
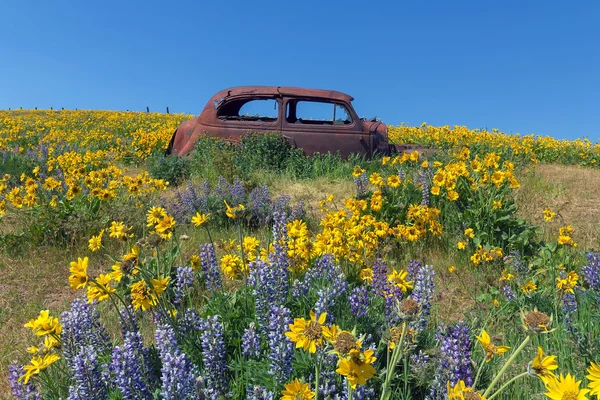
{"x": 258, "y": 110}
{"x": 317, "y": 113}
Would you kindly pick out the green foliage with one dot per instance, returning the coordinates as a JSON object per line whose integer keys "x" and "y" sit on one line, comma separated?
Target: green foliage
{"x": 16, "y": 164}
{"x": 172, "y": 169}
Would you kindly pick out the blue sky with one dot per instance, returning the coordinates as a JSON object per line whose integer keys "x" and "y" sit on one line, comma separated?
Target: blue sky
{"x": 519, "y": 66}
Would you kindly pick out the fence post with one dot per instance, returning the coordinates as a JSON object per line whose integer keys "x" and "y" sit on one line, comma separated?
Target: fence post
{"x": 167, "y": 110}
{"x": 148, "y": 109}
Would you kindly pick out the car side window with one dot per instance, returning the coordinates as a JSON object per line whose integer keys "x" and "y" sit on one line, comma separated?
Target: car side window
{"x": 256, "y": 110}
{"x": 317, "y": 113}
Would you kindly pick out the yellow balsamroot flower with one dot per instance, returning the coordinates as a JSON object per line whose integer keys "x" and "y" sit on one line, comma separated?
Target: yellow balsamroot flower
{"x": 100, "y": 289}
{"x": 78, "y": 278}
{"x": 452, "y": 269}
{"x": 529, "y": 287}
{"x": 250, "y": 246}
{"x": 232, "y": 265}
{"x": 118, "y": 230}
{"x": 543, "y": 366}
{"x": 376, "y": 179}
{"x": 159, "y": 285}
{"x": 199, "y": 219}
{"x": 95, "y": 243}
{"x": 568, "y": 283}
{"x": 469, "y": 233}
{"x": 232, "y": 212}
{"x": 548, "y": 215}
{"x": 490, "y": 349}
{"x": 164, "y": 226}
{"x": 357, "y": 171}
{"x": 45, "y": 324}
{"x": 366, "y": 275}
{"x": 497, "y": 204}
{"x": 307, "y": 334}
{"x": 435, "y": 190}
{"x": 393, "y": 181}
{"x": 461, "y": 245}
{"x": 565, "y": 388}
{"x": 37, "y": 365}
{"x": 452, "y": 195}
{"x": 155, "y": 215}
{"x": 458, "y": 391}
{"x": 297, "y": 390}
{"x": 398, "y": 278}
{"x": 195, "y": 262}
{"x": 357, "y": 367}
{"x": 506, "y": 276}
{"x": 142, "y": 296}
{"x": 594, "y": 378}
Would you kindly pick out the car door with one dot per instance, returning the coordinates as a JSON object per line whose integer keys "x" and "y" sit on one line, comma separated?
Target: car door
{"x": 322, "y": 126}
{"x": 239, "y": 116}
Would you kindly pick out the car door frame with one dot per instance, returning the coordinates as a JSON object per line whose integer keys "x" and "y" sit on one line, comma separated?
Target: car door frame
{"x": 347, "y": 139}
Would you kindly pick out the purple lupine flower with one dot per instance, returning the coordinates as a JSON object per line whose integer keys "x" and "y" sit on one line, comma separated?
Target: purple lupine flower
{"x": 270, "y": 283}
{"x": 380, "y": 277}
{"x": 518, "y": 264}
{"x": 454, "y": 360}
{"x": 361, "y": 184}
{"x": 298, "y": 211}
{"x": 281, "y": 349}
{"x": 130, "y": 368}
{"x": 394, "y": 295}
{"x": 361, "y": 393}
{"x": 328, "y": 387}
{"x": 186, "y": 201}
{"x": 591, "y": 272}
{"x": 279, "y": 256}
{"x": 251, "y": 342}
{"x": 87, "y": 380}
{"x": 332, "y": 285}
{"x": 189, "y": 322}
{"x": 260, "y": 204}
{"x": 214, "y": 357}
{"x": 423, "y": 291}
{"x": 237, "y": 191}
{"x": 413, "y": 269}
{"x": 419, "y": 361}
{"x": 359, "y": 301}
{"x": 258, "y": 393}
{"x": 184, "y": 280}
{"x": 221, "y": 191}
{"x": 128, "y": 320}
{"x": 508, "y": 292}
{"x": 82, "y": 328}
{"x": 18, "y": 389}
{"x": 210, "y": 267}
{"x": 178, "y": 374}
{"x": 402, "y": 174}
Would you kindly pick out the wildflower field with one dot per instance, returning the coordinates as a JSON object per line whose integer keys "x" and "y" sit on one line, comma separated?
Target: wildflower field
{"x": 251, "y": 271}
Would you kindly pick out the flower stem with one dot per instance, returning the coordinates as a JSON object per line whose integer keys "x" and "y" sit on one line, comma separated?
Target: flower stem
{"x": 350, "y": 392}
{"x": 396, "y": 354}
{"x": 479, "y": 370}
{"x": 317, "y": 375}
{"x": 506, "y": 365}
{"x": 507, "y": 384}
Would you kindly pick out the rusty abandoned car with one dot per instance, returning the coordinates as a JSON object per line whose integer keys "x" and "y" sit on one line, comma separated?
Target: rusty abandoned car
{"x": 313, "y": 120}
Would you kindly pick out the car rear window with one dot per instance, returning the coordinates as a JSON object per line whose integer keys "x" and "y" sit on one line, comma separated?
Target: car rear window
{"x": 258, "y": 110}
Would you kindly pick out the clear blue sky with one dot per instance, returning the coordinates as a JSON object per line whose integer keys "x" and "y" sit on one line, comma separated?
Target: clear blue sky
{"x": 520, "y": 66}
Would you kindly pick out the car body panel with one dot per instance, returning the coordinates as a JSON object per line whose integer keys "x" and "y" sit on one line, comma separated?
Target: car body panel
{"x": 220, "y": 118}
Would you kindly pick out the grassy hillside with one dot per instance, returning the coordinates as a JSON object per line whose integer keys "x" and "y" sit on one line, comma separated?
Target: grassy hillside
{"x": 72, "y": 175}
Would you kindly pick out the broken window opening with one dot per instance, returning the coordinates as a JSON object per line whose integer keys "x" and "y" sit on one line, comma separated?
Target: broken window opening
{"x": 255, "y": 110}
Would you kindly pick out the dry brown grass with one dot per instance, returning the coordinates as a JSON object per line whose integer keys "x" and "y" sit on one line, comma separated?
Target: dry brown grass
{"x": 571, "y": 191}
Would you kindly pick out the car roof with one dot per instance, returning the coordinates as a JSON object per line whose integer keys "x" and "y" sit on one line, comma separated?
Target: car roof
{"x": 283, "y": 91}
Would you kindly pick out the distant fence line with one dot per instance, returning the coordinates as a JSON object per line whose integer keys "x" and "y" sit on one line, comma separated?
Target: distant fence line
{"x": 62, "y": 109}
